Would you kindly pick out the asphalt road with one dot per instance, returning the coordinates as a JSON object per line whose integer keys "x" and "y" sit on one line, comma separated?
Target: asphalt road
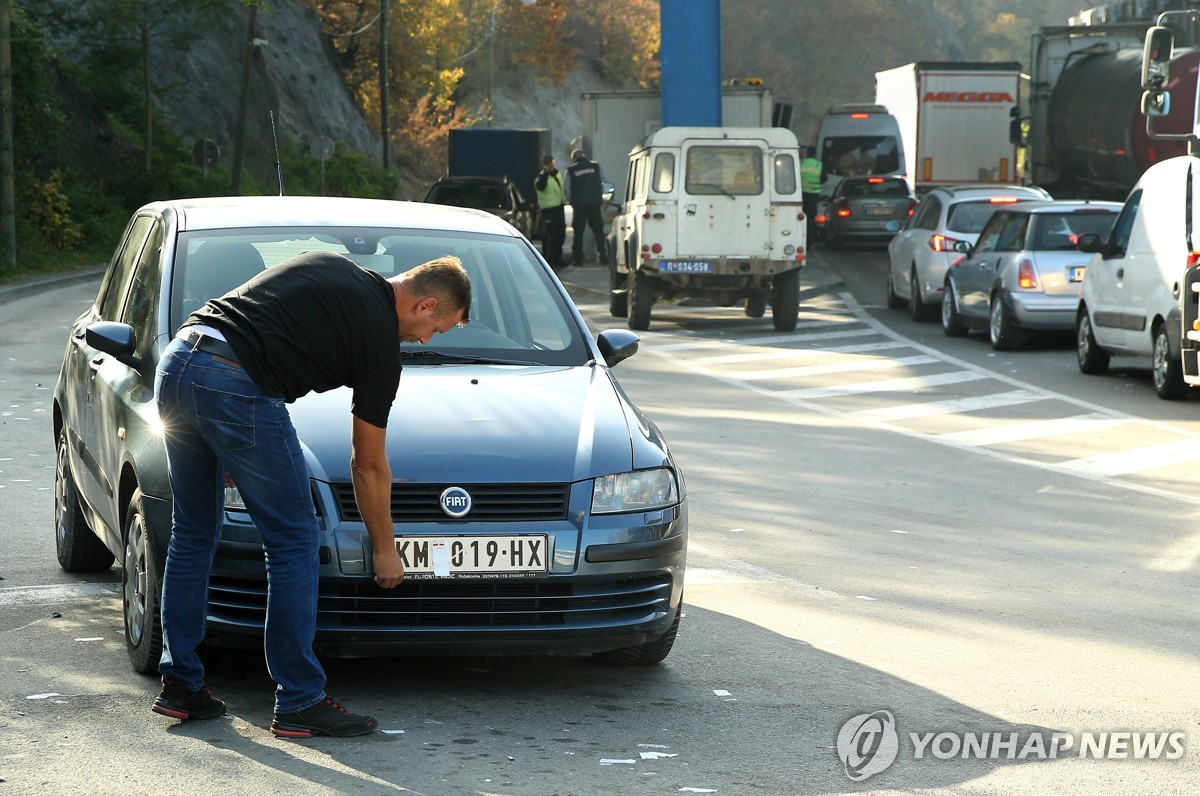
{"x": 967, "y": 570}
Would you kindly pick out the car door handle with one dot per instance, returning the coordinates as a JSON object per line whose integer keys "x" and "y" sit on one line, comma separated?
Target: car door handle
{"x": 1120, "y": 273}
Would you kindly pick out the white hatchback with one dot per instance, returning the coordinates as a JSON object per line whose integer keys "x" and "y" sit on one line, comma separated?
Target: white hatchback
{"x": 920, "y": 255}
{"x": 1131, "y": 298}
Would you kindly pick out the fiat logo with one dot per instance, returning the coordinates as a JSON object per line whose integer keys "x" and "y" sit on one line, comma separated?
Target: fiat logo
{"x": 455, "y": 501}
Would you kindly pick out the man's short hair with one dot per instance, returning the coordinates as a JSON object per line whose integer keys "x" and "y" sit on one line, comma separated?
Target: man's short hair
{"x": 547, "y": 158}
{"x": 444, "y": 279}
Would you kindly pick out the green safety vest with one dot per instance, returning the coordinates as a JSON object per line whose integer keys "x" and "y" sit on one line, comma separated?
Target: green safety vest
{"x": 810, "y": 175}
{"x": 552, "y": 195}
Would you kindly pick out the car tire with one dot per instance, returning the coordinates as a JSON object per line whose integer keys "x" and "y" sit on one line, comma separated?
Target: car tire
{"x": 1166, "y": 369}
{"x": 1092, "y": 359}
{"x": 918, "y": 308}
{"x": 756, "y": 306}
{"x": 952, "y": 324}
{"x": 641, "y": 300}
{"x": 648, "y": 653}
{"x": 1001, "y": 332}
{"x": 78, "y": 548}
{"x": 141, "y": 589}
{"x": 894, "y": 301}
{"x": 618, "y": 292}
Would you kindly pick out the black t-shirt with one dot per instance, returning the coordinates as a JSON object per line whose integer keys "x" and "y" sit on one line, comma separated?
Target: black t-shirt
{"x": 316, "y": 322}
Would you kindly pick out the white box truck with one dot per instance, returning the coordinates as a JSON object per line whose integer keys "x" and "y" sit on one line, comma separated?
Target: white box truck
{"x": 954, "y": 119}
{"x": 614, "y": 122}
{"x": 712, "y": 212}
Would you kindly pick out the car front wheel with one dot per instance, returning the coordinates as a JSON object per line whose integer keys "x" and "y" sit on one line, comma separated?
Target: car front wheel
{"x": 1093, "y": 360}
{"x": 917, "y": 307}
{"x": 952, "y": 325}
{"x": 141, "y": 586}
{"x": 1167, "y": 369}
{"x": 78, "y": 549}
{"x": 649, "y": 653}
{"x": 894, "y": 301}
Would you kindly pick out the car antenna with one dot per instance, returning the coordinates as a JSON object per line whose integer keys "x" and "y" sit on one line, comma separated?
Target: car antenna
{"x": 275, "y": 140}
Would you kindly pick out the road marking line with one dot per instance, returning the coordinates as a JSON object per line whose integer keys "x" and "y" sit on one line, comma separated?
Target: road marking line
{"x": 910, "y": 384}
{"x": 856, "y": 365}
{"x": 46, "y": 595}
{"x": 949, "y": 406}
{"x": 1018, "y": 432}
{"x": 774, "y": 339}
{"x": 781, "y": 353}
{"x": 1136, "y": 460}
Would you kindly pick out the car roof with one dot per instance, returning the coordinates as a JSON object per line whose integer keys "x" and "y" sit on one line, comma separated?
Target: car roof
{"x": 242, "y": 212}
{"x": 1063, "y": 206}
{"x": 984, "y": 190}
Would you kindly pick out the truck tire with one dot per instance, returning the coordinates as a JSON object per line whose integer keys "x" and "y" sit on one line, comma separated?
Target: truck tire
{"x": 1167, "y": 370}
{"x": 785, "y": 300}
{"x": 641, "y": 300}
{"x": 1093, "y": 360}
{"x": 756, "y": 305}
{"x": 618, "y": 292}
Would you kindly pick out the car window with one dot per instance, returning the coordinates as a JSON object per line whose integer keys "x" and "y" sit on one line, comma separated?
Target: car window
{"x": 517, "y": 311}
{"x": 141, "y": 308}
{"x": 735, "y": 170}
{"x": 1012, "y": 237}
{"x": 861, "y": 155}
{"x": 969, "y": 216}
{"x": 664, "y": 172}
{"x": 928, "y": 213}
{"x": 989, "y": 237}
{"x": 112, "y": 293}
{"x": 1118, "y": 238}
{"x": 1061, "y": 231}
{"x": 785, "y": 173}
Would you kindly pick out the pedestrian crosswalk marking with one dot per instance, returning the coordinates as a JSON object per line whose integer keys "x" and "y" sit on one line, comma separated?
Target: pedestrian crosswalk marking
{"x": 909, "y": 384}
{"x": 1037, "y": 429}
{"x": 1137, "y": 459}
{"x": 858, "y": 364}
{"x": 951, "y": 406}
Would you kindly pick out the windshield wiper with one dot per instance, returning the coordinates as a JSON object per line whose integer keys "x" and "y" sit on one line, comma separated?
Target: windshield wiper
{"x": 434, "y": 357}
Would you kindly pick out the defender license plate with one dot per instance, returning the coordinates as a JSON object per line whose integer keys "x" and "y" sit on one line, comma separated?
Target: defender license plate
{"x": 1077, "y": 272}
{"x": 685, "y": 267}
{"x": 474, "y": 556}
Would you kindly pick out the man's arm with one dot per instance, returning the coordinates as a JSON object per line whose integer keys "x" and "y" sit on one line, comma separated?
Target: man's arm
{"x": 373, "y": 493}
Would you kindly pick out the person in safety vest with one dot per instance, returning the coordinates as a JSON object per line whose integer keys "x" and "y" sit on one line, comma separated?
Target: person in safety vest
{"x": 810, "y": 189}
{"x": 551, "y": 209}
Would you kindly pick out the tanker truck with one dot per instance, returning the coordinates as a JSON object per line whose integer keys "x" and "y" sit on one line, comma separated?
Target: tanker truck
{"x": 1086, "y": 136}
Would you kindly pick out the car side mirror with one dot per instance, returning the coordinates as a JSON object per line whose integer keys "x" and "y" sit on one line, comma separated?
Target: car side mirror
{"x": 115, "y": 339}
{"x": 1156, "y": 58}
{"x": 617, "y": 345}
{"x": 1090, "y": 243}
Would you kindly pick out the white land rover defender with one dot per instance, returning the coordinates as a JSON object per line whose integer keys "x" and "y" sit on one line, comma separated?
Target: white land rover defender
{"x": 710, "y": 212}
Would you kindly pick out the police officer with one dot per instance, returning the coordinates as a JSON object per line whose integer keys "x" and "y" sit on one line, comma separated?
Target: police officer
{"x": 810, "y": 188}
{"x": 585, "y": 193}
{"x": 551, "y": 198}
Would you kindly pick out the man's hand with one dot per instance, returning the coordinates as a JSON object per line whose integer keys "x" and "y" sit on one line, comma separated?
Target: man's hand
{"x": 389, "y": 569}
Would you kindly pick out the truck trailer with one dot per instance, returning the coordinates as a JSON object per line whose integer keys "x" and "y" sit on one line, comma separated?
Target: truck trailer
{"x": 954, "y": 119}
{"x": 614, "y": 122}
{"x": 499, "y": 152}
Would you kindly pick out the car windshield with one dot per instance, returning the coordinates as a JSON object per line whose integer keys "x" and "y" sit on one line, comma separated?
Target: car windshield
{"x": 1061, "y": 231}
{"x": 517, "y": 312}
{"x": 481, "y": 196}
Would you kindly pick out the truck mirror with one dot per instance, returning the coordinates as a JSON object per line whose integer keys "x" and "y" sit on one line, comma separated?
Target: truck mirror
{"x": 1156, "y": 103}
{"x": 1156, "y": 57}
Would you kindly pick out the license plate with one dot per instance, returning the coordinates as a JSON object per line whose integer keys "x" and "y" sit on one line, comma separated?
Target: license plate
{"x": 879, "y": 211}
{"x": 474, "y": 556}
{"x": 1077, "y": 272}
{"x": 685, "y": 267}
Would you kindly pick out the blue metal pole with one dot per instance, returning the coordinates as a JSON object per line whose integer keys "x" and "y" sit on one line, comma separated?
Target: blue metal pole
{"x": 691, "y": 63}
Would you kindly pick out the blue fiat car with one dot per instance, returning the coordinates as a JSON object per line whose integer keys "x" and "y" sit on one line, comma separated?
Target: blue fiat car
{"x": 512, "y": 448}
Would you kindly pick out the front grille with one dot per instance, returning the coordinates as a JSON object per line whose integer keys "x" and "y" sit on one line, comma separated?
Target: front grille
{"x": 458, "y": 604}
{"x": 489, "y": 502}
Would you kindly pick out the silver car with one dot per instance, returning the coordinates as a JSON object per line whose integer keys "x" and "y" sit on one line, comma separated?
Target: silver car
{"x": 920, "y": 254}
{"x": 1024, "y": 273}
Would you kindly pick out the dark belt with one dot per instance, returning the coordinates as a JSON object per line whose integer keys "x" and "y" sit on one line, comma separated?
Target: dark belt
{"x": 199, "y": 341}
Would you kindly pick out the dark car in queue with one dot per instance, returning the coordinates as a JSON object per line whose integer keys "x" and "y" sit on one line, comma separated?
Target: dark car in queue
{"x": 511, "y": 443}
{"x": 867, "y": 209}
{"x": 499, "y": 196}
{"x": 1024, "y": 273}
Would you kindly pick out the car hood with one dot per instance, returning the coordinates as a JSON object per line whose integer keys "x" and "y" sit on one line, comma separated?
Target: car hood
{"x": 485, "y": 424}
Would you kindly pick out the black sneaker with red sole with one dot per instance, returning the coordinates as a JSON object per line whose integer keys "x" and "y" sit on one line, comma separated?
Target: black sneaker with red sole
{"x": 326, "y": 718}
{"x": 178, "y": 702}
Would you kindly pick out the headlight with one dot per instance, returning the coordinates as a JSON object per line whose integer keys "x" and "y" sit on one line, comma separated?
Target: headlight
{"x": 637, "y": 491}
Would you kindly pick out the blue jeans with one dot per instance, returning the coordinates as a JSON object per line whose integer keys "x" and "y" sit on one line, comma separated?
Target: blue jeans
{"x": 216, "y": 419}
